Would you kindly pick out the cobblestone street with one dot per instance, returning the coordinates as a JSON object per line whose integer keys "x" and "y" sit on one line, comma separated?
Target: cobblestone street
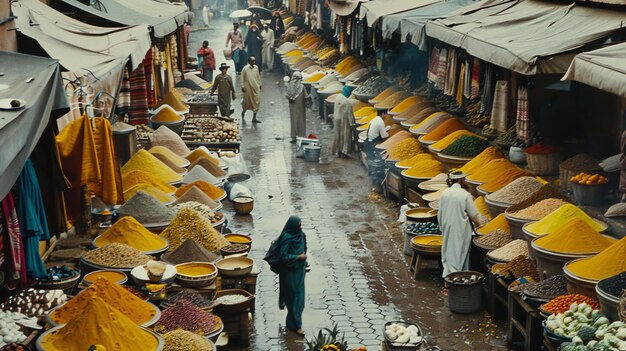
{"x": 359, "y": 278}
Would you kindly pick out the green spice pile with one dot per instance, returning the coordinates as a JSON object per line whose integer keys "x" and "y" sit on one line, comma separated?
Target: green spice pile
{"x": 466, "y": 146}
{"x": 182, "y": 340}
{"x": 423, "y": 228}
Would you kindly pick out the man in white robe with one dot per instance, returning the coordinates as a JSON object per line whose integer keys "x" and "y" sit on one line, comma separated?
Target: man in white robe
{"x": 251, "y": 88}
{"x": 268, "y": 47}
{"x": 456, "y": 212}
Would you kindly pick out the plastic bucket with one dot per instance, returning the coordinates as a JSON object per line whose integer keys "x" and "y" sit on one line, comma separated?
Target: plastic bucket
{"x": 465, "y": 298}
{"x": 312, "y": 153}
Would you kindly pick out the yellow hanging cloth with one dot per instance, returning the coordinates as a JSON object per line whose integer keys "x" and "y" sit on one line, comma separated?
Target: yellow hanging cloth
{"x": 88, "y": 157}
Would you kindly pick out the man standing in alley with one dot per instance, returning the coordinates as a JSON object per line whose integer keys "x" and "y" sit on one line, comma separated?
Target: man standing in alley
{"x": 456, "y": 214}
{"x": 251, "y": 88}
{"x": 208, "y": 61}
{"x": 235, "y": 39}
{"x": 225, "y": 89}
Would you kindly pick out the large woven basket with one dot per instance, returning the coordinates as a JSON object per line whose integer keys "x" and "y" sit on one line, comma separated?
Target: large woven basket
{"x": 543, "y": 164}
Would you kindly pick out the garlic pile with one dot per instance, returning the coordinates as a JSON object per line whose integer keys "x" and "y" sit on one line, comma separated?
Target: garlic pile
{"x": 34, "y": 302}
{"x": 403, "y": 334}
{"x": 9, "y": 330}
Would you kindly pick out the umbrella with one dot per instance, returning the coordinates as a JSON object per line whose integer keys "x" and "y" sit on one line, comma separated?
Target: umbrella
{"x": 261, "y": 11}
{"x": 240, "y": 14}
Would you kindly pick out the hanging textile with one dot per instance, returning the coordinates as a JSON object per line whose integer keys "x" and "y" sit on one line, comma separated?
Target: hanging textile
{"x": 138, "y": 96}
{"x": 475, "y": 81}
{"x": 450, "y": 81}
{"x": 433, "y": 65}
{"x": 88, "y": 157}
{"x": 500, "y": 109}
{"x": 149, "y": 72}
{"x": 123, "y": 98}
{"x": 17, "y": 266}
{"x": 460, "y": 87}
{"x": 522, "y": 118}
{"x": 32, "y": 219}
{"x": 441, "y": 69}
{"x": 486, "y": 98}
{"x": 467, "y": 84}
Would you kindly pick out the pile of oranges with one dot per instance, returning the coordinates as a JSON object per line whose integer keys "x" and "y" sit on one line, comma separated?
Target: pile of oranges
{"x": 589, "y": 179}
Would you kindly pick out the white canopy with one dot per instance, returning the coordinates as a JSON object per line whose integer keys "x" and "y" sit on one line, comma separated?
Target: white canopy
{"x": 526, "y": 36}
{"x": 77, "y": 45}
{"x": 414, "y": 21}
{"x": 374, "y": 10}
{"x": 603, "y": 69}
{"x": 162, "y": 17}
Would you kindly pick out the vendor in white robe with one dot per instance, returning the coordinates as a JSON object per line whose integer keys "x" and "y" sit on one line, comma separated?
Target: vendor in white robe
{"x": 456, "y": 214}
{"x": 268, "y": 47}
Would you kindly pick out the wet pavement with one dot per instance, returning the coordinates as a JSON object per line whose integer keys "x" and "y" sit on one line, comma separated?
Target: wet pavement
{"x": 359, "y": 278}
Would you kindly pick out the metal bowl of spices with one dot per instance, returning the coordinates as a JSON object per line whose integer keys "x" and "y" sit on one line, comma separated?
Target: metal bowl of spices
{"x": 40, "y": 347}
{"x": 196, "y": 274}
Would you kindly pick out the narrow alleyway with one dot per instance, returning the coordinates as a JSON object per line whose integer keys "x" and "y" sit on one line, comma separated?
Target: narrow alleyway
{"x": 359, "y": 278}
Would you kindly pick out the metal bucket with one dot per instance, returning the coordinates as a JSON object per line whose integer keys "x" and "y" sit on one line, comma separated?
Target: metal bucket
{"x": 407, "y": 249}
{"x": 312, "y": 153}
{"x": 589, "y": 195}
{"x": 465, "y": 298}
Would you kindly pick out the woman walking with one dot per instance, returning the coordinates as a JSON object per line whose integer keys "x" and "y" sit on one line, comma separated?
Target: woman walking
{"x": 291, "y": 273}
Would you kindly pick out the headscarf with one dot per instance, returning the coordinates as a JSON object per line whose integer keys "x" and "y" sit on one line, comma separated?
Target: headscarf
{"x": 294, "y": 88}
{"x": 293, "y": 225}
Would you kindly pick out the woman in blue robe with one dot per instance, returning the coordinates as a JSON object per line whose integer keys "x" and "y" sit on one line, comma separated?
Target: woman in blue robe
{"x": 292, "y": 272}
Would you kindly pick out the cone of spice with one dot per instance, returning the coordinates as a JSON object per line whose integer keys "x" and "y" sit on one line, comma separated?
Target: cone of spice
{"x": 201, "y": 152}
{"x": 210, "y": 190}
{"x": 164, "y": 136}
{"x": 133, "y": 178}
{"x": 168, "y": 154}
{"x": 492, "y": 170}
{"x": 189, "y": 251}
{"x": 517, "y": 191}
{"x": 167, "y": 114}
{"x": 498, "y": 222}
{"x": 574, "y": 237}
{"x": 130, "y": 232}
{"x": 200, "y": 173}
{"x": 539, "y": 210}
{"x": 167, "y": 161}
{"x": 139, "y": 311}
{"x": 195, "y": 194}
{"x": 150, "y": 190}
{"x": 146, "y": 162}
{"x": 558, "y": 218}
{"x": 175, "y": 100}
{"x": 444, "y": 129}
{"x": 146, "y": 209}
{"x": 545, "y": 192}
{"x": 481, "y": 160}
{"x": 607, "y": 263}
{"x": 209, "y": 166}
{"x": 189, "y": 223}
{"x": 87, "y": 324}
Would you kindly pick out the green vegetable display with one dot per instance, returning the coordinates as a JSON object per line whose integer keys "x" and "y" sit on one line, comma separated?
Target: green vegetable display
{"x": 466, "y": 146}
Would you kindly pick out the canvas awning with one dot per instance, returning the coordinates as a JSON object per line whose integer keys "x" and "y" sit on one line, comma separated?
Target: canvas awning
{"x": 374, "y": 10}
{"x": 162, "y": 17}
{"x": 78, "y": 45}
{"x": 21, "y": 129}
{"x": 604, "y": 69}
{"x": 526, "y": 36}
{"x": 414, "y": 21}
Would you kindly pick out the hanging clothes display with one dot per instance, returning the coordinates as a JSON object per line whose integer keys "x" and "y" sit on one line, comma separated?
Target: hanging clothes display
{"x": 460, "y": 86}
{"x": 138, "y": 97}
{"x": 475, "y": 80}
{"x": 441, "y": 69}
{"x": 88, "y": 157}
{"x": 450, "y": 79}
{"x": 433, "y": 65}
{"x": 17, "y": 266}
{"x": 486, "y": 97}
{"x": 123, "y": 98}
{"x": 149, "y": 72}
{"x": 467, "y": 83}
{"x": 522, "y": 118}
{"x": 500, "y": 109}
{"x": 32, "y": 219}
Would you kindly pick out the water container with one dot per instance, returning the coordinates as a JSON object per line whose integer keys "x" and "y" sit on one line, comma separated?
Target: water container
{"x": 312, "y": 153}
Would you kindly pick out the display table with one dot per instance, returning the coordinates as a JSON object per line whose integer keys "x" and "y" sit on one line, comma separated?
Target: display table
{"x": 524, "y": 324}
{"x": 497, "y": 297}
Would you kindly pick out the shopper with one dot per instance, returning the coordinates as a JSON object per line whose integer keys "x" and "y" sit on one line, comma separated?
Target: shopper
{"x": 376, "y": 133}
{"x": 291, "y": 274}
{"x": 297, "y": 105}
{"x": 254, "y": 45}
{"x": 268, "y": 47}
{"x": 235, "y": 40}
{"x": 206, "y": 15}
{"x": 251, "y": 88}
{"x": 457, "y": 213}
{"x": 208, "y": 61}
{"x": 277, "y": 24}
{"x": 225, "y": 89}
